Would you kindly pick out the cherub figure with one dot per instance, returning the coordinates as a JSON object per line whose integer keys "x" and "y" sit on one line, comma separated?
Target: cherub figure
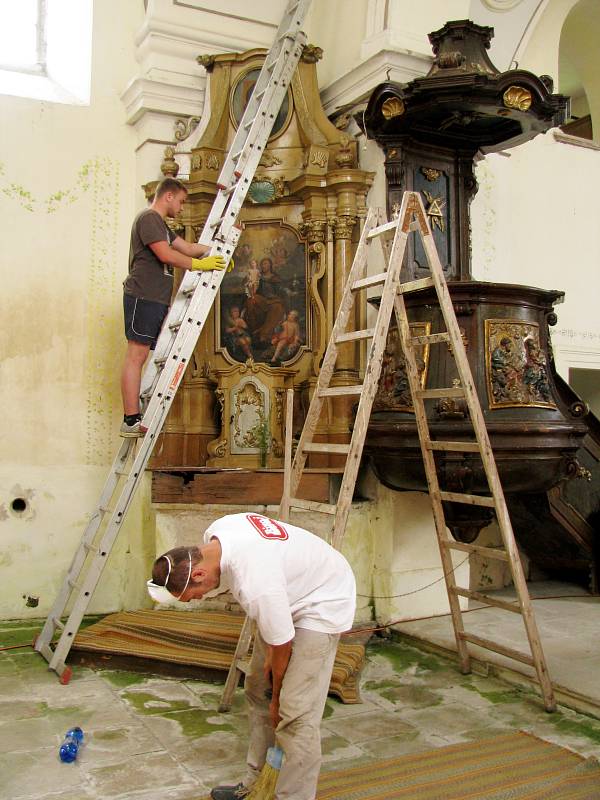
{"x": 287, "y": 337}
{"x": 237, "y": 331}
{"x": 252, "y": 278}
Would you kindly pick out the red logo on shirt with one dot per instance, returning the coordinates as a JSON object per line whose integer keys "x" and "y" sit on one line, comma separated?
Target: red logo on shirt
{"x": 268, "y": 528}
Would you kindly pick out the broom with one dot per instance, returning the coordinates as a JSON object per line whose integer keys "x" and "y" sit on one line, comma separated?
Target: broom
{"x": 264, "y": 788}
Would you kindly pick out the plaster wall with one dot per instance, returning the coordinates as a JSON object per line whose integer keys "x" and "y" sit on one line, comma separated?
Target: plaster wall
{"x": 531, "y": 224}
{"x": 67, "y": 197}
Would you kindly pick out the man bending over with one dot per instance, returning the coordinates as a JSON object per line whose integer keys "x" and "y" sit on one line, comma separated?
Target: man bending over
{"x": 302, "y": 595}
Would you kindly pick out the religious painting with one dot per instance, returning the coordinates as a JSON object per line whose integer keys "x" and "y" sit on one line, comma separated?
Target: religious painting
{"x": 263, "y": 303}
{"x": 516, "y": 367}
{"x": 241, "y": 93}
{"x": 393, "y": 391}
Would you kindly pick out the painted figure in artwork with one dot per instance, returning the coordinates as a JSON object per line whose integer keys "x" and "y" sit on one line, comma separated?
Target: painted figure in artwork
{"x": 535, "y": 376}
{"x": 286, "y": 338}
{"x": 266, "y": 309}
{"x": 252, "y": 278}
{"x": 237, "y": 332}
{"x": 505, "y": 372}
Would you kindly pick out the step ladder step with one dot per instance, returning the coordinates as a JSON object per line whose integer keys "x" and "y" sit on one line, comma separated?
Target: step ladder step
{"x": 453, "y": 447}
{"x": 312, "y": 505}
{"x": 468, "y": 499}
{"x": 451, "y": 391}
{"x": 367, "y": 333}
{"x": 325, "y": 447}
{"x": 487, "y": 552}
{"x": 415, "y": 286}
{"x": 486, "y": 599}
{"x": 487, "y": 644}
{"x": 371, "y": 280}
{"x": 58, "y": 623}
{"x": 431, "y": 338}
{"x": 387, "y": 229}
{"x": 340, "y": 391}
{"x": 243, "y": 665}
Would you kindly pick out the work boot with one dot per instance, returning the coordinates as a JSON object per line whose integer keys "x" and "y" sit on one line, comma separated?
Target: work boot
{"x": 229, "y": 792}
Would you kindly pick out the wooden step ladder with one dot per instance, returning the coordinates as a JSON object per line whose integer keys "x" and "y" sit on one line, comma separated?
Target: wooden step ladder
{"x": 393, "y": 237}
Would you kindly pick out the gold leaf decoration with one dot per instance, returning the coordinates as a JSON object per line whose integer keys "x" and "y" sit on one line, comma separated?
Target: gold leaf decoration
{"x": 392, "y": 107}
{"x": 517, "y": 97}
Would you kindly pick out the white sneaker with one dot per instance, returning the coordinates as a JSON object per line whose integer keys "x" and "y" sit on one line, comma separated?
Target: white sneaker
{"x": 128, "y": 431}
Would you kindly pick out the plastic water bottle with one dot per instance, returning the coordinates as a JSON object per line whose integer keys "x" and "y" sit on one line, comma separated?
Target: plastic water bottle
{"x": 69, "y": 748}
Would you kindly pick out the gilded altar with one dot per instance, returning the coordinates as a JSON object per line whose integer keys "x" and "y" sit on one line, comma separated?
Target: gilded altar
{"x": 269, "y": 327}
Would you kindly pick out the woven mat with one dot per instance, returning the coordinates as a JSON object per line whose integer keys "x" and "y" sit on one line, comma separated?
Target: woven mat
{"x": 516, "y": 766}
{"x": 199, "y": 638}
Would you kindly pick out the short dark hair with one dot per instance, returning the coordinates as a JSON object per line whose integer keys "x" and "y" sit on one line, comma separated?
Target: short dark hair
{"x": 179, "y": 557}
{"x": 169, "y": 185}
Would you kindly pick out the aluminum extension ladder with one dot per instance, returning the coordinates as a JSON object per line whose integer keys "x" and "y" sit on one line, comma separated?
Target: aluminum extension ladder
{"x": 184, "y": 323}
{"x": 393, "y": 236}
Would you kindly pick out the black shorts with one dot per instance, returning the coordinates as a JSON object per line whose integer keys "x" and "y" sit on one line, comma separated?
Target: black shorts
{"x": 143, "y": 319}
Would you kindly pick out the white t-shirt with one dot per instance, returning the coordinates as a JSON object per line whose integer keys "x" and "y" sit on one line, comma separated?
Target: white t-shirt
{"x": 284, "y": 577}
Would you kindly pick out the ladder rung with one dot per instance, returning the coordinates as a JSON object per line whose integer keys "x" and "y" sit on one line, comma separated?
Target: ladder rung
{"x": 174, "y": 326}
{"x": 312, "y": 505}
{"x": 414, "y": 286}
{"x": 431, "y": 338}
{"x": 468, "y": 499}
{"x": 382, "y": 230}
{"x": 453, "y": 447}
{"x": 372, "y": 280}
{"x": 227, "y": 190}
{"x": 58, "y": 623}
{"x": 451, "y": 391}
{"x": 190, "y": 290}
{"x": 243, "y": 664}
{"x": 488, "y": 601}
{"x": 488, "y": 552}
{"x": 160, "y": 362}
{"x": 340, "y": 391}
{"x": 367, "y": 333}
{"x": 325, "y": 447}
{"x": 497, "y": 648}
{"x": 91, "y": 548}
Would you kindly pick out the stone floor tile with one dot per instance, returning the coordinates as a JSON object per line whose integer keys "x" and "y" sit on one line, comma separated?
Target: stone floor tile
{"x": 37, "y": 773}
{"x": 369, "y": 726}
{"x": 151, "y": 772}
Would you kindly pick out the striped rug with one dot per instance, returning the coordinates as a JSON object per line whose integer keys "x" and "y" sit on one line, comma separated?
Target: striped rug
{"x": 198, "y": 638}
{"x": 516, "y": 766}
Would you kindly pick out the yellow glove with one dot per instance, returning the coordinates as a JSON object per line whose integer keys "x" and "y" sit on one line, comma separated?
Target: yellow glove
{"x": 208, "y": 264}
{"x": 230, "y": 265}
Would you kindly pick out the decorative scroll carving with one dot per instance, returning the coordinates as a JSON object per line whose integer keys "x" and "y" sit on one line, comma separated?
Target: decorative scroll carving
{"x": 311, "y": 54}
{"x": 392, "y": 107}
{"x": 516, "y": 369}
{"x": 184, "y": 127}
{"x": 430, "y": 173}
{"x": 207, "y": 61}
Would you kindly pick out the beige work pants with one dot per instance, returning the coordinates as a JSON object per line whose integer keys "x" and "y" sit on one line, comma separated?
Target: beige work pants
{"x": 301, "y": 704}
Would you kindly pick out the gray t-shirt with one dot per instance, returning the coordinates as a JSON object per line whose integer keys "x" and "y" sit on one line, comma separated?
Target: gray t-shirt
{"x": 149, "y": 278}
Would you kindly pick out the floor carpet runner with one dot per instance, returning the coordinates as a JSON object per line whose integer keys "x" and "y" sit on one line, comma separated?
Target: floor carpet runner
{"x": 515, "y": 766}
{"x": 201, "y": 638}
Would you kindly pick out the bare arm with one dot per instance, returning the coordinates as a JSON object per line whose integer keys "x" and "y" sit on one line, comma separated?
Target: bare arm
{"x": 193, "y": 250}
{"x": 278, "y": 658}
{"x": 170, "y": 255}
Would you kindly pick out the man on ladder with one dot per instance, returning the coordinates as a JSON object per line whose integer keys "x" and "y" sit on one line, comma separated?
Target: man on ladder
{"x": 301, "y": 594}
{"x": 153, "y": 252}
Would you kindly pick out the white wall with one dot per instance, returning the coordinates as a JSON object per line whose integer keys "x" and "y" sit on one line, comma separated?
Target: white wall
{"x": 67, "y": 197}
{"x": 533, "y": 223}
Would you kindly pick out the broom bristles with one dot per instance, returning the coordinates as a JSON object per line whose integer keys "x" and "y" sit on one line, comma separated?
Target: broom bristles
{"x": 264, "y": 788}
